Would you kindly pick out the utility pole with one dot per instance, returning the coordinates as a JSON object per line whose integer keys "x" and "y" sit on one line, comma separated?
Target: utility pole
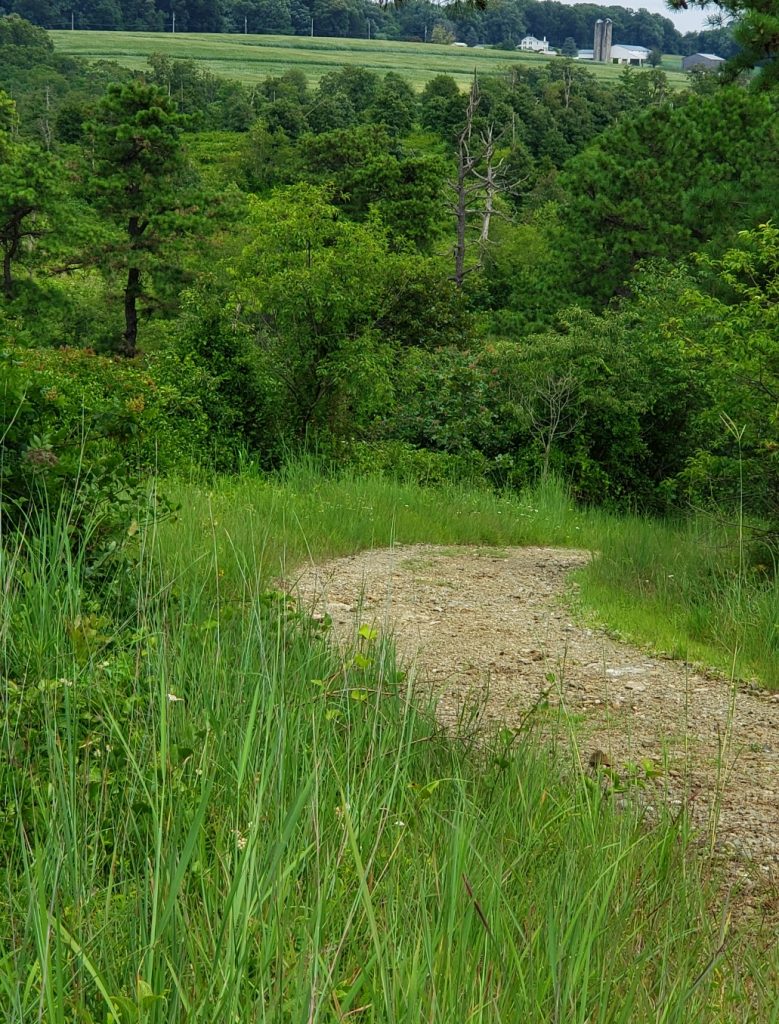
{"x": 312, "y": 27}
{"x": 72, "y": 21}
{"x": 368, "y": 23}
{"x": 245, "y": 25}
{"x": 174, "y": 22}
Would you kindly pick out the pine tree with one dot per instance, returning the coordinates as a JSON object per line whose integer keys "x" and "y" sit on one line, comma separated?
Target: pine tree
{"x": 139, "y": 162}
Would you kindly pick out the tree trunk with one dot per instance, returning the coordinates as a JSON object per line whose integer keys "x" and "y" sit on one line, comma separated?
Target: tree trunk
{"x": 490, "y": 187}
{"x": 464, "y": 166}
{"x": 8, "y": 281}
{"x": 131, "y": 293}
{"x": 461, "y": 221}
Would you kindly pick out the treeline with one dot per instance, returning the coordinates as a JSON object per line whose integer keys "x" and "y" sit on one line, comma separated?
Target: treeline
{"x": 501, "y": 22}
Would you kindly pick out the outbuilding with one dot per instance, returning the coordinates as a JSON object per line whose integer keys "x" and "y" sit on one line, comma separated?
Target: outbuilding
{"x": 628, "y": 54}
{"x": 709, "y": 61}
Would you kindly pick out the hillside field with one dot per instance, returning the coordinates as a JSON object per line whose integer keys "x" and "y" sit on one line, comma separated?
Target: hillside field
{"x": 250, "y": 58}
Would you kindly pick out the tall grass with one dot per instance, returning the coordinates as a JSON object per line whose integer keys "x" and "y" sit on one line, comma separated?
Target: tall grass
{"x": 212, "y": 815}
{"x": 678, "y": 586}
{"x": 684, "y": 588}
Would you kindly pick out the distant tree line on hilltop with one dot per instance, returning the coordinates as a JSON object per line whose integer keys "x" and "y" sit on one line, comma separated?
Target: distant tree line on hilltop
{"x": 502, "y": 22}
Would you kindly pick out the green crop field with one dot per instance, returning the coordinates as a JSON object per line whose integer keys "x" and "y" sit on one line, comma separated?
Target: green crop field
{"x": 252, "y": 58}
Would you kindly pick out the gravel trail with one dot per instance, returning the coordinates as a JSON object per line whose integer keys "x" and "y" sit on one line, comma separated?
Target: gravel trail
{"x": 492, "y": 625}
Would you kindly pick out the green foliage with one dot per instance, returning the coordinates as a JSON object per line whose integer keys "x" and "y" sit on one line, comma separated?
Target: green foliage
{"x": 267, "y": 157}
{"x": 731, "y": 321}
{"x": 442, "y": 34}
{"x": 358, "y": 85}
{"x": 662, "y": 182}
{"x": 31, "y": 196}
{"x": 614, "y": 404}
{"x": 368, "y": 175}
{"x": 210, "y": 102}
{"x": 7, "y": 119}
{"x": 522, "y": 284}
{"x": 399, "y": 460}
{"x": 216, "y": 350}
{"x": 443, "y": 106}
{"x": 610, "y": 403}
{"x": 326, "y": 327}
{"x": 308, "y": 283}
{"x": 19, "y": 33}
{"x": 53, "y": 93}
{"x": 443, "y": 402}
{"x": 394, "y": 105}
{"x": 639, "y": 90}
{"x": 72, "y": 439}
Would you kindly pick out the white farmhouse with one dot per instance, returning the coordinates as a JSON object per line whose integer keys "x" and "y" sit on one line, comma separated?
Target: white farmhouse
{"x": 533, "y": 45}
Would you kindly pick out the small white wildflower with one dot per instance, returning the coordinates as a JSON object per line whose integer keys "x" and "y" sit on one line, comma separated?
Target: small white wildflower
{"x": 400, "y": 824}
{"x": 173, "y": 699}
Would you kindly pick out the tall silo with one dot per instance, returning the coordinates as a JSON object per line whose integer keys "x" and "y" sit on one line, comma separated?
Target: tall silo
{"x": 607, "y": 27}
{"x": 597, "y": 46}
{"x": 601, "y": 50}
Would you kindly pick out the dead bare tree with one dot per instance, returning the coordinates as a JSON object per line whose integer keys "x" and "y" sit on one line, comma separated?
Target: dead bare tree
{"x": 464, "y": 190}
{"x": 550, "y": 411}
{"x": 480, "y": 179}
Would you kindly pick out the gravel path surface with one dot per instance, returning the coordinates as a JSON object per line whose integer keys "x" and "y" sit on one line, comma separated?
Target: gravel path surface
{"x": 492, "y": 624}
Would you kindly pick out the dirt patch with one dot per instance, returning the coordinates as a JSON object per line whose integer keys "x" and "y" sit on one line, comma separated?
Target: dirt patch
{"x": 492, "y": 624}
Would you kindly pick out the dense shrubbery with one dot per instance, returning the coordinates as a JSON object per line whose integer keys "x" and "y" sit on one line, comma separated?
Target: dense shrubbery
{"x": 82, "y": 435}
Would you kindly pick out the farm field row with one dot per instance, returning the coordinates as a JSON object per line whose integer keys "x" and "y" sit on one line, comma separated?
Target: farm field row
{"x": 251, "y": 58}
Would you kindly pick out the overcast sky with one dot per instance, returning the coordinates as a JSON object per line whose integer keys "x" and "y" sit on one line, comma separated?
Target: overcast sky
{"x": 686, "y": 21}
